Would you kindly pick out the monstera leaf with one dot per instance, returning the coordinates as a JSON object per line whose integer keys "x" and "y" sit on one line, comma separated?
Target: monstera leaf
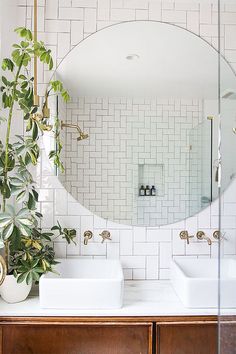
{"x": 22, "y": 220}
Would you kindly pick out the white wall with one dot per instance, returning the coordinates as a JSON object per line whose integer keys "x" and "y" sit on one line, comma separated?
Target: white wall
{"x": 145, "y": 252}
{"x": 8, "y": 22}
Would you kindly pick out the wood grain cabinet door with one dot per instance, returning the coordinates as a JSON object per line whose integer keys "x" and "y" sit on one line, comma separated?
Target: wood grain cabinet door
{"x": 101, "y": 338}
{"x": 187, "y": 339}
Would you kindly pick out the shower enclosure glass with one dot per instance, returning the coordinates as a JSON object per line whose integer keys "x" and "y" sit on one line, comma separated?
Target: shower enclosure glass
{"x": 227, "y": 200}
{"x": 200, "y": 166}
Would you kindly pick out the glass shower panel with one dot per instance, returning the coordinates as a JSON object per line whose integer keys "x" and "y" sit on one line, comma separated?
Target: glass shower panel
{"x": 200, "y": 166}
{"x": 227, "y": 203}
{"x": 227, "y": 247}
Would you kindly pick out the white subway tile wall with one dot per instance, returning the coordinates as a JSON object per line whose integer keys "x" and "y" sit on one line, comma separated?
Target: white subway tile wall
{"x": 145, "y": 252}
{"x": 127, "y": 136}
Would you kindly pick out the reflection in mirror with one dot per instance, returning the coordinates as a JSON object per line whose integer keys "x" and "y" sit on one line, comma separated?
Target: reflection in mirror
{"x": 140, "y": 132}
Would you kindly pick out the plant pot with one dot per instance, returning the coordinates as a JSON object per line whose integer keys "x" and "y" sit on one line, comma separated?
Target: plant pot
{"x": 12, "y": 292}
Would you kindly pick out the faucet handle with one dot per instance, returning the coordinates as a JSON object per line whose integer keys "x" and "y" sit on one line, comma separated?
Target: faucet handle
{"x": 106, "y": 235}
{"x": 185, "y": 236}
{"x": 87, "y": 236}
{"x": 218, "y": 235}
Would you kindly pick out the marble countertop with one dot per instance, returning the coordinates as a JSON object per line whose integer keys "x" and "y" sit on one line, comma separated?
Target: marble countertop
{"x": 141, "y": 298}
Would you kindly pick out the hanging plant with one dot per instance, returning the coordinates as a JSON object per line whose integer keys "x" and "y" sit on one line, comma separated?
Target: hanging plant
{"x": 28, "y": 249}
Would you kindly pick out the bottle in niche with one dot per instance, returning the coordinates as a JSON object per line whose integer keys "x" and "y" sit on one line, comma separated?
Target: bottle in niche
{"x": 147, "y": 191}
{"x": 153, "y": 191}
{"x": 141, "y": 191}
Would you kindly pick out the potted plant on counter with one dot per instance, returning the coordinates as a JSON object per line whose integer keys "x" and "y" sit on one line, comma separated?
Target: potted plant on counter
{"x": 28, "y": 250}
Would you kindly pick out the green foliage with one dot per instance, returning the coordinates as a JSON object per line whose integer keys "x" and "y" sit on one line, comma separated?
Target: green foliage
{"x": 28, "y": 248}
{"x": 67, "y": 234}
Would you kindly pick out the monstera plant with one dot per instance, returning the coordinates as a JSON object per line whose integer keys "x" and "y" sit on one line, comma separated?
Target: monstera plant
{"x": 28, "y": 250}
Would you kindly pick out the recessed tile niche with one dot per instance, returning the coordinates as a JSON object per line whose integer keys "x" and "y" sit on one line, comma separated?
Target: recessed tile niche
{"x": 152, "y": 175}
{"x": 150, "y": 207}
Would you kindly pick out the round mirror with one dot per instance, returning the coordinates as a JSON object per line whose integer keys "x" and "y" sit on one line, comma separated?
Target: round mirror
{"x": 140, "y": 132}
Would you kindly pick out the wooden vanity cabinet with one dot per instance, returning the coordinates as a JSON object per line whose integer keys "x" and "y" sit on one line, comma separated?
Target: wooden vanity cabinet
{"x": 187, "y": 339}
{"x": 77, "y": 338}
{"x": 111, "y": 335}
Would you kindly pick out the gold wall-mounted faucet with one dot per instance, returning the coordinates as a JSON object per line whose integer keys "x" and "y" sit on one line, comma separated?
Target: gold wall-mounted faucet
{"x": 106, "y": 235}
{"x": 185, "y": 236}
{"x": 87, "y": 236}
{"x": 202, "y": 236}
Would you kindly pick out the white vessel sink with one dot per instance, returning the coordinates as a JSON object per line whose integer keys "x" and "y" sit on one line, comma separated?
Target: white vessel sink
{"x": 196, "y": 282}
{"x": 83, "y": 284}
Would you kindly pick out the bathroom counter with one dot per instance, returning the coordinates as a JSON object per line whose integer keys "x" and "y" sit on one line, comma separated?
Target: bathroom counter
{"x": 141, "y": 298}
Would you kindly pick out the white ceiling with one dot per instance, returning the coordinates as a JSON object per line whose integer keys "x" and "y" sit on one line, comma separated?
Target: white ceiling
{"x": 172, "y": 63}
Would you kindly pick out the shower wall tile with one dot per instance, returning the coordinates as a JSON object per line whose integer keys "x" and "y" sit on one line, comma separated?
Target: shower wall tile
{"x": 51, "y": 10}
{"x": 77, "y": 19}
{"x": 143, "y": 162}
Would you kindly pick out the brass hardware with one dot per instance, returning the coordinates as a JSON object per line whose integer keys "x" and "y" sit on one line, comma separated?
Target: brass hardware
{"x": 47, "y": 128}
{"x": 3, "y": 270}
{"x": 36, "y": 100}
{"x": 217, "y": 235}
{"x": 106, "y": 235}
{"x": 87, "y": 236}
{"x": 202, "y": 236}
{"x": 234, "y": 130}
{"x": 82, "y": 135}
{"x": 210, "y": 117}
{"x": 39, "y": 118}
{"x": 185, "y": 236}
{"x": 46, "y": 110}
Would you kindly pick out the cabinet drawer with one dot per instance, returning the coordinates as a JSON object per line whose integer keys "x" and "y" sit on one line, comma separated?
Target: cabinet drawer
{"x": 104, "y": 338}
{"x": 187, "y": 339}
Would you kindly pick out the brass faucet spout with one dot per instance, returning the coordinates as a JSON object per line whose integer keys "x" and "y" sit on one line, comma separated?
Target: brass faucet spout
{"x": 202, "y": 236}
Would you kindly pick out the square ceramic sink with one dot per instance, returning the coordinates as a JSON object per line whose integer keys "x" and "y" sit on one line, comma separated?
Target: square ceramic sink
{"x": 83, "y": 284}
{"x": 196, "y": 282}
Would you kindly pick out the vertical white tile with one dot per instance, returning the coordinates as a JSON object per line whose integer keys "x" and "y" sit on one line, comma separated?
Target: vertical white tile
{"x": 193, "y": 21}
{"x": 90, "y": 20}
{"x": 47, "y": 209}
{"x": 113, "y": 250}
{"x": 205, "y": 12}
{"x": 61, "y": 202}
{"x": 126, "y": 242}
{"x": 139, "y": 234}
{"x": 77, "y": 32}
{"x": 165, "y": 255}
{"x": 63, "y": 44}
{"x": 51, "y": 11}
{"x": 155, "y": 10}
